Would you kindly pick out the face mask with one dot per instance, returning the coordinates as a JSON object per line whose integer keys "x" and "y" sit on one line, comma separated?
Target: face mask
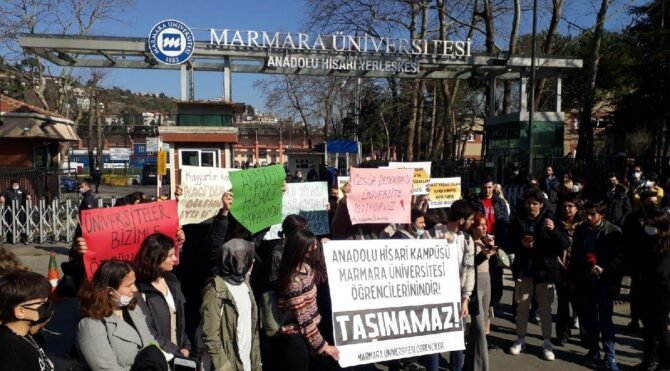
{"x": 650, "y": 230}
{"x": 637, "y": 174}
{"x": 332, "y": 199}
{"x": 44, "y": 312}
{"x": 15, "y": 187}
{"x": 123, "y": 300}
{"x": 576, "y": 188}
{"x": 82, "y": 190}
{"x": 420, "y": 232}
{"x": 650, "y": 184}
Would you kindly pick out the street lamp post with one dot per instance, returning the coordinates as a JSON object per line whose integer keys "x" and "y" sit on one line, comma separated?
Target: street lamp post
{"x": 532, "y": 91}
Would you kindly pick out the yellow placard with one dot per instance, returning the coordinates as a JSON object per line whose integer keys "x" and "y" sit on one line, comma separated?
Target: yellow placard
{"x": 162, "y": 163}
{"x": 443, "y": 192}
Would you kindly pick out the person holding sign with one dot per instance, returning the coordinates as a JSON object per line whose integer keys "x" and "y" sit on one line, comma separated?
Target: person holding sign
{"x": 114, "y": 331}
{"x": 299, "y": 336}
{"x": 160, "y": 295}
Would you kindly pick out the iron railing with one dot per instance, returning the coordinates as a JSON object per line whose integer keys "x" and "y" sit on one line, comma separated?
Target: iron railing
{"x": 41, "y": 221}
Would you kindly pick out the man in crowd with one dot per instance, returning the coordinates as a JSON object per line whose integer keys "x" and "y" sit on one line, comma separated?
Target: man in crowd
{"x": 549, "y": 185}
{"x": 617, "y": 200}
{"x": 633, "y": 236}
{"x": 88, "y": 200}
{"x": 14, "y": 195}
{"x": 596, "y": 258}
{"x": 537, "y": 244}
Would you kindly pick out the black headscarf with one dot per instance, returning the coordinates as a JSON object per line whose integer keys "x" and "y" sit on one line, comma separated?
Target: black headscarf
{"x": 237, "y": 255}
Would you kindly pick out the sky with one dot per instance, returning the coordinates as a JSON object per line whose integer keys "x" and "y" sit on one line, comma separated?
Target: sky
{"x": 262, "y": 15}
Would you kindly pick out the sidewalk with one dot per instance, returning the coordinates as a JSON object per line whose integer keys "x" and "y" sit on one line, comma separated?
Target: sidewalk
{"x": 569, "y": 357}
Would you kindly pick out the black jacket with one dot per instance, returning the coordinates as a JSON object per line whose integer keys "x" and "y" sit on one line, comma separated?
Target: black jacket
{"x": 12, "y": 195}
{"x": 655, "y": 282}
{"x": 156, "y": 309}
{"x": 606, "y": 244}
{"x": 89, "y": 201}
{"x": 618, "y": 205}
{"x": 638, "y": 246}
{"x": 550, "y": 188}
{"x": 541, "y": 261}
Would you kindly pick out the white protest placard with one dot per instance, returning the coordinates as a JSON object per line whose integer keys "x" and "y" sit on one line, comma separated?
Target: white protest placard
{"x": 394, "y": 298}
{"x": 309, "y": 200}
{"x": 203, "y": 188}
{"x": 341, "y": 181}
{"x": 443, "y": 192}
{"x": 421, "y": 174}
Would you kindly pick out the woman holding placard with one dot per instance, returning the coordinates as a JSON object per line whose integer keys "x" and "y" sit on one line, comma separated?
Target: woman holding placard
{"x": 299, "y": 335}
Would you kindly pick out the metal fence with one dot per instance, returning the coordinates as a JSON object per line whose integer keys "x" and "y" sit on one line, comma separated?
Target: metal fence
{"x": 41, "y": 221}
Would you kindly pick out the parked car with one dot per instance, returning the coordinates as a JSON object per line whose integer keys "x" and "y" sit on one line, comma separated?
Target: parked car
{"x": 69, "y": 184}
{"x": 149, "y": 174}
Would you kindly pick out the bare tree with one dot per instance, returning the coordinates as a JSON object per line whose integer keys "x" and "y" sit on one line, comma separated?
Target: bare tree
{"x": 52, "y": 16}
{"x": 585, "y": 144}
{"x": 507, "y": 93}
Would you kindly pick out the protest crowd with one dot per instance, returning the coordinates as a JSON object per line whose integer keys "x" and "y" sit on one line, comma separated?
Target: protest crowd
{"x": 252, "y": 285}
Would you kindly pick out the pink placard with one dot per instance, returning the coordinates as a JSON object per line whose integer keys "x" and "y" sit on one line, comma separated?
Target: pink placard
{"x": 380, "y": 195}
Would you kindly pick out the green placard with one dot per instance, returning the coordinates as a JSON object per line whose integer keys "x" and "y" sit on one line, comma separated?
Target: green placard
{"x": 258, "y": 196}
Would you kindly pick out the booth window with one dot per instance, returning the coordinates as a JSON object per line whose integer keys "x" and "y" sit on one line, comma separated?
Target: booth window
{"x": 199, "y": 157}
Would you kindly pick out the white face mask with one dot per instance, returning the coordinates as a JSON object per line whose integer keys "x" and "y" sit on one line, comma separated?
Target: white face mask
{"x": 650, "y": 230}
{"x": 576, "y": 188}
{"x": 637, "y": 174}
{"x": 123, "y": 300}
{"x": 420, "y": 232}
{"x": 15, "y": 187}
{"x": 650, "y": 184}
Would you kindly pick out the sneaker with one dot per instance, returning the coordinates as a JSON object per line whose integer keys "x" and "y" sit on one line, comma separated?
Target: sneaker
{"x": 518, "y": 346}
{"x": 610, "y": 364}
{"x": 548, "y": 351}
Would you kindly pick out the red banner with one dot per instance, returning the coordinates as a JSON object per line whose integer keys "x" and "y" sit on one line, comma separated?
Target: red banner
{"x": 117, "y": 233}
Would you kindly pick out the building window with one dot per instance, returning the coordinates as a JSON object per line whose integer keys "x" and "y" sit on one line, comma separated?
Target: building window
{"x": 199, "y": 157}
{"x": 471, "y": 137}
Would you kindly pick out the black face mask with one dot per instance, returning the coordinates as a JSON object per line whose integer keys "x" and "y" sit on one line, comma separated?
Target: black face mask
{"x": 44, "y": 311}
{"x": 332, "y": 199}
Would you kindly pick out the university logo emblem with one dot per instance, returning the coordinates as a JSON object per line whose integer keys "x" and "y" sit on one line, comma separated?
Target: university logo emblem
{"x": 171, "y": 42}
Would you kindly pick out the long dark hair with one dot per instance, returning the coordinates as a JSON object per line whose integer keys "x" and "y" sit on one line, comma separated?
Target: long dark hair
{"x": 295, "y": 255}
{"x": 153, "y": 252}
{"x": 291, "y": 224}
{"x": 94, "y": 296}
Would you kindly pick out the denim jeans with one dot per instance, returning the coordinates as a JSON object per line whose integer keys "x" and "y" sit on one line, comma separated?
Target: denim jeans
{"x": 597, "y": 306}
